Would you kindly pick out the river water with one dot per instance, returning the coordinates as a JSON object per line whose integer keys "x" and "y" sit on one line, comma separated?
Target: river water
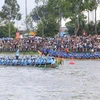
{"x": 80, "y": 81}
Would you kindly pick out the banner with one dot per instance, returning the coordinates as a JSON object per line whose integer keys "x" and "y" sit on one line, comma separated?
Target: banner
{"x": 17, "y": 35}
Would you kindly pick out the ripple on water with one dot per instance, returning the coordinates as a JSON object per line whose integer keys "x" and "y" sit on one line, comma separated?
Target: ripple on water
{"x": 80, "y": 81}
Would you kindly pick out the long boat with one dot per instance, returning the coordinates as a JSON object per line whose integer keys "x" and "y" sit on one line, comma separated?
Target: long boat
{"x": 62, "y": 54}
{"x": 29, "y": 61}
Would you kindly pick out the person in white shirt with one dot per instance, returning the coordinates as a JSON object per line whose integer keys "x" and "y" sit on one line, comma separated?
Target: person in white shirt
{"x": 17, "y": 54}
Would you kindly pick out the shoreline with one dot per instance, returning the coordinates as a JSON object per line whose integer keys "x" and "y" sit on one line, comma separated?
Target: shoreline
{"x": 36, "y": 54}
{"x": 20, "y": 53}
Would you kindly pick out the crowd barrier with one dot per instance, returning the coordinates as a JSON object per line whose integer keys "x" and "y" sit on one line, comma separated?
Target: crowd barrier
{"x": 62, "y": 54}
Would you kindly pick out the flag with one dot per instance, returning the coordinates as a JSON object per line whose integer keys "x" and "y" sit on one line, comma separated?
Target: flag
{"x": 17, "y": 35}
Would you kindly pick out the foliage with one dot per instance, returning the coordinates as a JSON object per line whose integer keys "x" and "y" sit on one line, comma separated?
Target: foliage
{"x": 98, "y": 27}
{"x": 10, "y": 10}
{"x": 50, "y": 28}
{"x": 48, "y": 14}
{"x": 71, "y": 26}
{"x": 47, "y": 22}
{"x": 9, "y": 13}
{"x": 90, "y": 29}
{"x": 4, "y": 30}
{"x": 72, "y": 9}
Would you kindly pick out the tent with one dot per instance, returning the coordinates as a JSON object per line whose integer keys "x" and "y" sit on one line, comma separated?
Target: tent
{"x": 32, "y": 33}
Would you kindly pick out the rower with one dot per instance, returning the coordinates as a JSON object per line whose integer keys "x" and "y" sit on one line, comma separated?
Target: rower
{"x": 53, "y": 63}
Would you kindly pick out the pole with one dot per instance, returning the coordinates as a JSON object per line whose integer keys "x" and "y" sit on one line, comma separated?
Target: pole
{"x": 60, "y": 17}
{"x": 9, "y": 28}
{"x": 42, "y": 29}
{"x": 95, "y": 21}
{"x": 88, "y": 16}
{"x": 26, "y": 14}
{"x": 9, "y": 22}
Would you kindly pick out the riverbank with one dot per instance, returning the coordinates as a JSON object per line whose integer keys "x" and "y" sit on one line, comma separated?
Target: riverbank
{"x": 21, "y": 53}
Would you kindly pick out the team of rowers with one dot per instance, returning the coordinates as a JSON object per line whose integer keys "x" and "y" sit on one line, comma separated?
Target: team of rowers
{"x": 25, "y": 60}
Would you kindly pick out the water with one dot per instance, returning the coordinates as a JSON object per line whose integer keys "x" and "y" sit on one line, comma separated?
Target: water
{"x": 80, "y": 81}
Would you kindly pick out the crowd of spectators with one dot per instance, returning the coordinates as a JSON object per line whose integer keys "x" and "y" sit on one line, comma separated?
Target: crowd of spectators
{"x": 90, "y": 43}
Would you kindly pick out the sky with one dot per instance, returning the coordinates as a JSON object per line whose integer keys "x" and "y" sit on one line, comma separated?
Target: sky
{"x": 30, "y": 5}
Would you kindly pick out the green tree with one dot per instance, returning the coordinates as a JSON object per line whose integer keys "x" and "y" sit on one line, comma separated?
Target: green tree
{"x": 4, "y": 30}
{"x": 95, "y": 4}
{"x": 90, "y": 29}
{"x": 10, "y": 11}
{"x": 45, "y": 19}
{"x": 59, "y": 9}
{"x": 50, "y": 28}
{"x": 72, "y": 9}
{"x": 77, "y": 7}
{"x": 98, "y": 27}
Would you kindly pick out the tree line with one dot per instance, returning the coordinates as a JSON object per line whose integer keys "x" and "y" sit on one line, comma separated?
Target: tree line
{"x": 48, "y": 15}
{"x": 8, "y": 14}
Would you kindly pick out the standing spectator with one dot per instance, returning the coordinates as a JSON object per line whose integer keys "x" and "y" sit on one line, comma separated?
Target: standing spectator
{"x": 17, "y": 54}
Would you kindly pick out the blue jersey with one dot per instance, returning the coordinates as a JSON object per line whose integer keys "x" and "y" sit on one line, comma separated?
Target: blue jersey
{"x": 17, "y": 53}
